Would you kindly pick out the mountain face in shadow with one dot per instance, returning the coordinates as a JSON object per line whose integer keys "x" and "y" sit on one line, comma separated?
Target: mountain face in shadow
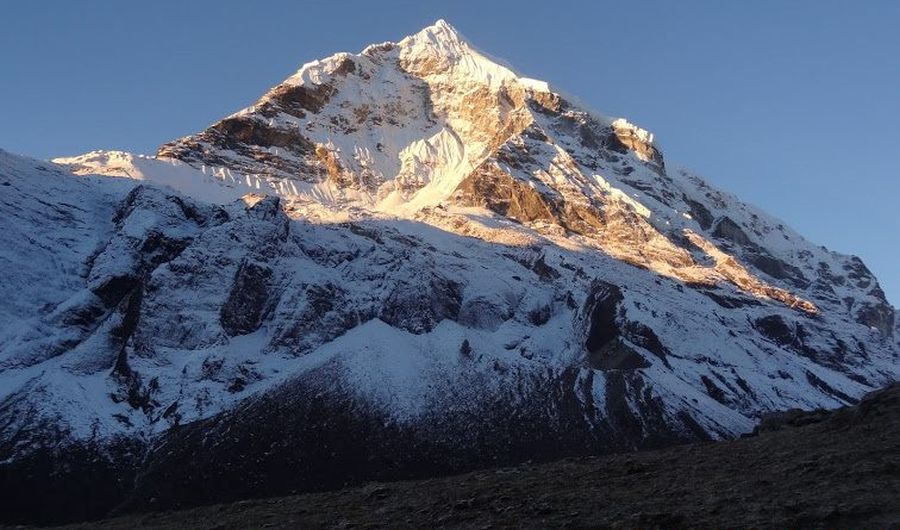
{"x": 399, "y": 263}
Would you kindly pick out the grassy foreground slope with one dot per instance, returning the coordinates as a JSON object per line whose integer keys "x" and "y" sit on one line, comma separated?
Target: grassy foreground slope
{"x": 836, "y": 469}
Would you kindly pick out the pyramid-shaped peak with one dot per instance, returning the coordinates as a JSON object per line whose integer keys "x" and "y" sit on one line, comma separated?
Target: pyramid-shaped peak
{"x": 442, "y": 30}
{"x": 440, "y": 47}
{"x": 440, "y": 35}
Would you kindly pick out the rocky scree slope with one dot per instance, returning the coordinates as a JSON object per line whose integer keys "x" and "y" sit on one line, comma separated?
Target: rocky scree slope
{"x": 396, "y": 263}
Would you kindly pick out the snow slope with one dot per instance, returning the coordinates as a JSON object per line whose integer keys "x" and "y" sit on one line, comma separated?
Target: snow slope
{"x": 418, "y": 241}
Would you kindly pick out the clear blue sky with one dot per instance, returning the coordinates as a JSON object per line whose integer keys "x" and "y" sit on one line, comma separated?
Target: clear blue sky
{"x": 792, "y": 105}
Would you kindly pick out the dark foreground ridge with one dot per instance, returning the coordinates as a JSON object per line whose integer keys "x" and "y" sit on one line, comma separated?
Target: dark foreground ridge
{"x": 819, "y": 469}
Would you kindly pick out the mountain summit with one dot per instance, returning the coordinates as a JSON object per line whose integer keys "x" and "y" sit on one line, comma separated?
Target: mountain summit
{"x": 398, "y": 124}
{"x": 401, "y": 262}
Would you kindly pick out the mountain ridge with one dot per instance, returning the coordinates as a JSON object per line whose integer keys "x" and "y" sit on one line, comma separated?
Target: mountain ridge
{"x": 508, "y": 276}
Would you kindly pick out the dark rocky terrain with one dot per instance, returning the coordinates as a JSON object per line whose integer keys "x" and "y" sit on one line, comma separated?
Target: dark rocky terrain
{"x": 838, "y": 469}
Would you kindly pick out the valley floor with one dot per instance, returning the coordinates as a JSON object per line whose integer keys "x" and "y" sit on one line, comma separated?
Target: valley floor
{"x": 835, "y": 470}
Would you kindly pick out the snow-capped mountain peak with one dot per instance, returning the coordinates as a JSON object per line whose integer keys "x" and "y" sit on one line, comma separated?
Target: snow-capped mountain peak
{"x": 397, "y": 126}
{"x": 439, "y": 48}
{"x": 380, "y": 128}
{"x": 435, "y": 250}
{"x": 438, "y": 39}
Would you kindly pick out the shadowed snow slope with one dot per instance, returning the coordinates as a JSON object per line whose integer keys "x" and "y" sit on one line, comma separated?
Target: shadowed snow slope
{"x": 401, "y": 262}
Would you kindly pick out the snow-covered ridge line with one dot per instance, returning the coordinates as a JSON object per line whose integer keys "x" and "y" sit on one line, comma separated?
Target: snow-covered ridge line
{"x": 217, "y": 185}
{"x": 433, "y": 249}
{"x": 397, "y": 161}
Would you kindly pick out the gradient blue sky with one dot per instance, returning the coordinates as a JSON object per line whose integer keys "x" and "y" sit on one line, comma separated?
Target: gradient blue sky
{"x": 792, "y": 105}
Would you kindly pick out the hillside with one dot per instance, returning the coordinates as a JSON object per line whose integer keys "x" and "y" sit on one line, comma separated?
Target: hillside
{"x": 818, "y": 470}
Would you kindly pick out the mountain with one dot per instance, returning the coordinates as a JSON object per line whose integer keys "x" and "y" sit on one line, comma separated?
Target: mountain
{"x": 397, "y": 263}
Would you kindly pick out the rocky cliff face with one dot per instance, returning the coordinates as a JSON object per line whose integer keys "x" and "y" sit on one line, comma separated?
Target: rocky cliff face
{"x": 396, "y": 263}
